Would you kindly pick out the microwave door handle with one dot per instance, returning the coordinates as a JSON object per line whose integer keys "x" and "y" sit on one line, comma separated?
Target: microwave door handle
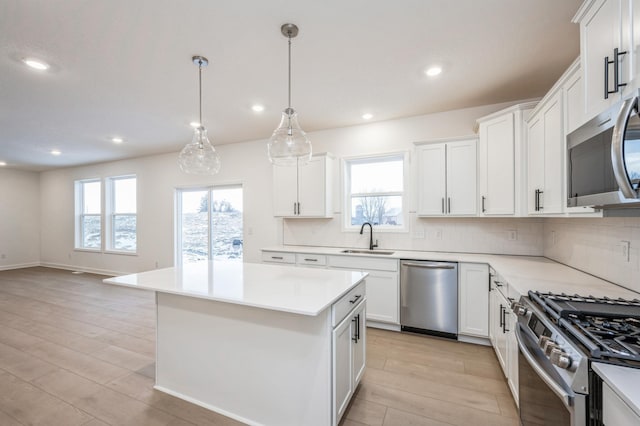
{"x": 617, "y": 148}
{"x": 567, "y": 399}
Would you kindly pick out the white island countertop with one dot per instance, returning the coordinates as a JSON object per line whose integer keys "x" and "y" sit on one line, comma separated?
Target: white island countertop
{"x": 624, "y": 382}
{"x": 304, "y": 291}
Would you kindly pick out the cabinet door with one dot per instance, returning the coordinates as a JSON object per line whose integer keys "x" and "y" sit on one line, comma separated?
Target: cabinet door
{"x": 342, "y": 367}
{"x": 499, "y": 336}
{"x": 615, "y": 411}
{"x": 552, "y": 200}
{"x": 535, "y": 169}
{"x": 383, "y": 302}
{"x": 574, "y": 102}
{"x": 313, "y": 192}
{"x": 431, "y": 179}
{"x": 497, "y": 169}
{"x": 359, "y": 344}
{"x": 461, "y": 178}
{"x": 285, "y": 190}
{"x": 599, "y": 35}
{"x": 474, "y": 299}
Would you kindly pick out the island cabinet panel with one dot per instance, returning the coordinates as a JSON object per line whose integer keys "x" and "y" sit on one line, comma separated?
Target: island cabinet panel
{"x": 256, "y": 365}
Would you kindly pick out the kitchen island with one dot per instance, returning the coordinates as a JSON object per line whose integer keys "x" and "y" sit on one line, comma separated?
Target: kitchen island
{"x": 263, "y": 344}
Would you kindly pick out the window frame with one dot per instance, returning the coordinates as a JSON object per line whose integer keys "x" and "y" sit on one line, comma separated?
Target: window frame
{"x": 348, "y": 196}
{"x": 111, "y": 214}
{"x": 178, "y": 258}
{"x": 79, "y": 195}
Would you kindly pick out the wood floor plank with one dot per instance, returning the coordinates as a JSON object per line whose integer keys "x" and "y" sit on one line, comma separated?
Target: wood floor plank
{"x": 90, "y": 348}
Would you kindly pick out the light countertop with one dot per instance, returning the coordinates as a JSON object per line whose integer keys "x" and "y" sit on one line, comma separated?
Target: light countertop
{"x": 304, "y": 291}
{"x": 523, "y": 273}
{"x": 624, "y": 382}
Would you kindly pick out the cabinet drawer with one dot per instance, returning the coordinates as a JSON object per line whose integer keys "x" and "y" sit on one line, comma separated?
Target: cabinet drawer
{"x": 363, "y": 263}
{"x": 311, "y": 259}
{"x": 278, "y": 257}
{"x": 342, "y": 307}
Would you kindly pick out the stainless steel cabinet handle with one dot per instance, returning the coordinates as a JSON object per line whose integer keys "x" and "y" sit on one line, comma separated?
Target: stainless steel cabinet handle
{"x": 420, "y": 265}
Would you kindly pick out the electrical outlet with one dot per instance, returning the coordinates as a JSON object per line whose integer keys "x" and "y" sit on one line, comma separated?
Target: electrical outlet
{"x": 513, "y": 235}
{"x": 438, "y": 234}
{"x": 418, "y": 233}
{"x": 625, "y": 250}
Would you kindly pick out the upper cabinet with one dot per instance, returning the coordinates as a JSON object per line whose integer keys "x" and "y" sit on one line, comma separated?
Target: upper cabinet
{"x": 304, "y": 191}
{"x": 447, "y": 178}
{"x": 545, "y": 141}
{"x": 501, "y": 155}
{"x": 607, "y": 51}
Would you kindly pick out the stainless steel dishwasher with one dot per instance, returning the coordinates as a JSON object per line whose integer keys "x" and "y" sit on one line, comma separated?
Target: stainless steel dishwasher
{"x": 429, "y": 297}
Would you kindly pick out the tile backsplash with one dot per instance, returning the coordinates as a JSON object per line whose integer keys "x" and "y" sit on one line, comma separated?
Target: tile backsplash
{"x": 468, "y": 235}
{"x": 605, "y": 247}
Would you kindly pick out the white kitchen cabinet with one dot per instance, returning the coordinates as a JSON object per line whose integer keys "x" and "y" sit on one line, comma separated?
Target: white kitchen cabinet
{"x": 473, "y": 302}
{"x": 304, "y": 191}
{"x": 546, "y": 146}
{"x": 349, "y": 340}
{"x": 573, "y": 98}
{"x": 502, "y": 323}
{"x": 278, "y": 257}
{"x": 447, "y": 178}
{"x": 615, "y": 411}
{"x": 605, "y": 28}
{"x": 501, "y": 162}
{"x": 383, "y": 286}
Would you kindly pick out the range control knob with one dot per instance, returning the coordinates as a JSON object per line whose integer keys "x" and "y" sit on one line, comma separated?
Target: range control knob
{"x": 549, "y": 346}
{"x": 560, "y": 358}
{"x": 542, "y": 341}
{"x": 520, "y": 310}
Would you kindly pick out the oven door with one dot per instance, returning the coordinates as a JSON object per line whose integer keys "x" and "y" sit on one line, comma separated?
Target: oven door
{"x": 545, "y": 399}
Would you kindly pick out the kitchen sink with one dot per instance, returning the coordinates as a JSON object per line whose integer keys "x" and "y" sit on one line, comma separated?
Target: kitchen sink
{"x": 367, "y": 252}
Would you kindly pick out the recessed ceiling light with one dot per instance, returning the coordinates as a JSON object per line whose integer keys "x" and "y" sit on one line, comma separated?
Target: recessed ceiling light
{"x": 433, "y": 71}
{"x": 116, "y": 140}
{"x": 36, "y": 64}
{"x": 2, "y": 163}
{"x": 257, "y": 108}
{"x": 55, "y": 152}
{"x": 194, "y": 124}
{"x": 367, "y": 116}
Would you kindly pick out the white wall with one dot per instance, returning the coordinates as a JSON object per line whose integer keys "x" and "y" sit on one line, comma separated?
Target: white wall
{"x": 19, "y": 219}
{"x": 595, "y": 245}
{"x": 247, "y": 163}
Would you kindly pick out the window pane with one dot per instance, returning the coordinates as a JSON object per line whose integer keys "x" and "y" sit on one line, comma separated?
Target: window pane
{"x": 91, "y": 232}
{"x": 124, "y": 195}
{"x": 378, "y": 176}
{"x": 194, "y": 224}
{"x": 377, "y": 210}
{"x": 124, "y": 232}
{"x": 91, "y": 197}
{"x": 226, "y": 218}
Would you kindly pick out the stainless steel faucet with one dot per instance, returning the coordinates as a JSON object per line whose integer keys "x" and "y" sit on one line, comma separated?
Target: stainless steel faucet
{"x": 371, "y": 245}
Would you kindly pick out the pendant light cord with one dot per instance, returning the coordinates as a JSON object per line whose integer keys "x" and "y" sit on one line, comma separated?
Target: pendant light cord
{"x": 289, "y": 70}
{"x": 200, "y": 88}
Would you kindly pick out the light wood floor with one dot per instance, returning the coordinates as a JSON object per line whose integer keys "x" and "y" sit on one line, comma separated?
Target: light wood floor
{"x": 74, "y": 351}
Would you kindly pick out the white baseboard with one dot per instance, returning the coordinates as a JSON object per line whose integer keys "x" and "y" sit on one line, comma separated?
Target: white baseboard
{"x": 19, "y": 266}
{"x": 383, "y": 325}
{"x": 474, "y": 339}
{"x": 82, "y": 269}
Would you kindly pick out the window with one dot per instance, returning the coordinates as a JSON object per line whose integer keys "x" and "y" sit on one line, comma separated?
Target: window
{"x": 209, "y": 223}
{"x": 121, "y": 212}
{"x": 88, "y": 214}
{"x": 374, "y": 191}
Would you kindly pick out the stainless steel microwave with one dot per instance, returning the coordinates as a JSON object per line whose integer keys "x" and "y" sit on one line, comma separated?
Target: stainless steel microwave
{"x": 603, "y": 158}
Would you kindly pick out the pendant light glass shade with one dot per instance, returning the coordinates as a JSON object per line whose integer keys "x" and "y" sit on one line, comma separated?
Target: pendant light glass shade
{"x": 289, "y": 144}
{"x": 199, "y": 157}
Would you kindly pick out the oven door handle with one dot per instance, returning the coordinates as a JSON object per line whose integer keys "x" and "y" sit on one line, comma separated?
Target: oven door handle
{"x": 617, "y": 147}
{"x": 567, "y": 398}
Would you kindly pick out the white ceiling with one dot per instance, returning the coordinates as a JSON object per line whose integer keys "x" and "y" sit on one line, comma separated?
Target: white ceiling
{"x": 123, "y": 67}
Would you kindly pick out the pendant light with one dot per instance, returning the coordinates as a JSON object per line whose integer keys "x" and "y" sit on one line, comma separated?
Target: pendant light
{"x": 289, "y": 144}
{"x": 199, "y": 157}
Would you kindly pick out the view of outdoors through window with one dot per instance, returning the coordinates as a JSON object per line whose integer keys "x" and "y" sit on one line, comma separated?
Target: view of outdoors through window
{"x": 90, "y": 223}
{"x": 124, "y": 218}
{"x": 224, "y": 227}
{"x": 375, "y": 191}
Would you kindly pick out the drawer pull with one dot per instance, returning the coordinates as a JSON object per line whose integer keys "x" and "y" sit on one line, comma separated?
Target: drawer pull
{"x": 277, "y": 257}
{"x": 355, "y": 299}
{"x": 310, "y": 260}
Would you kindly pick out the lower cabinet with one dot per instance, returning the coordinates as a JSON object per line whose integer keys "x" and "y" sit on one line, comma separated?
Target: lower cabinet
{"x": 615, "y": 411}
{"x": 502, "y": 326}
{"x": 349, "y": 340}
{"x": 473, "y": 299}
